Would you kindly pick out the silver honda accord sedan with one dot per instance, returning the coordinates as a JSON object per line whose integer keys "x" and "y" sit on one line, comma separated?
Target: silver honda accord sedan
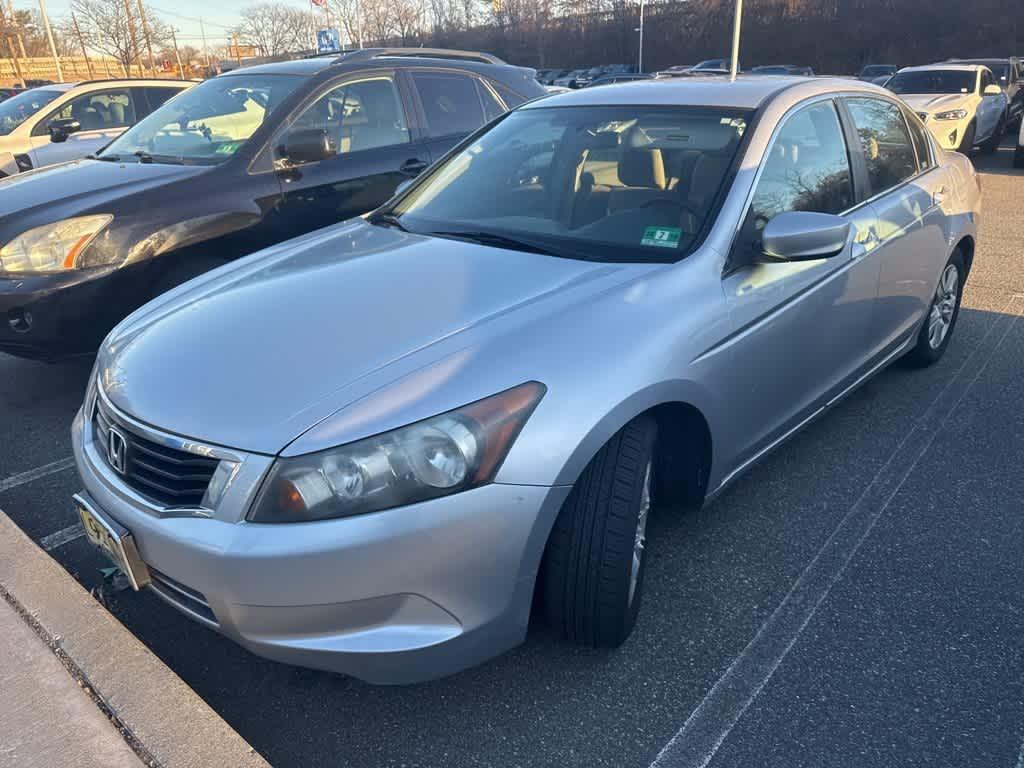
{"x": 374, "y": 448}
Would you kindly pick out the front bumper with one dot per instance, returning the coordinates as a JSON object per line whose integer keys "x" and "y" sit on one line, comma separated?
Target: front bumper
{"x": 66, "y": 313}
{"x": 949, "y": 133}
{"x": 398, "y": 596}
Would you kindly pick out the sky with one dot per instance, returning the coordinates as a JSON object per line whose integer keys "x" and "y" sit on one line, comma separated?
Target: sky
{"x": 218, "y": 17}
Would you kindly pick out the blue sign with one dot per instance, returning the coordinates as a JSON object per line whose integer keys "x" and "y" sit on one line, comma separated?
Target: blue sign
{"x": 328, "y": 41}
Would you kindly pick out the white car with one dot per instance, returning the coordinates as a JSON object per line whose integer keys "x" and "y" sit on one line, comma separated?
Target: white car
{"x": 962, "y": 104}
{"x": 67, "y": 121}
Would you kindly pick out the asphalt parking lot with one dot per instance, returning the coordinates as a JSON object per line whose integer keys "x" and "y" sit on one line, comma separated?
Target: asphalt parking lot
{"x": 855, "y": 600}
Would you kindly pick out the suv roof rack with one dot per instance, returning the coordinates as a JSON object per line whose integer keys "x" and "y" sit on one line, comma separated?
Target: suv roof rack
{"x": 426, "y": 53}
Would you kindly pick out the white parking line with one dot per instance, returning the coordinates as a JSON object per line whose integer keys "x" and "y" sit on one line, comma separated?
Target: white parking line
{"x": 34, "y": 474}
{"x": 62, "y": 537}
{"x": 708, "y": 726}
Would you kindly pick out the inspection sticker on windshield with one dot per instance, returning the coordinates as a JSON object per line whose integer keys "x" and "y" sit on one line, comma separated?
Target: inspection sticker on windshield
{"x": 662, "y": 237}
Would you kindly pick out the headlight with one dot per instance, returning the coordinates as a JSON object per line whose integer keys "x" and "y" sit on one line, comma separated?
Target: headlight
{"x": 52, "y": 247}
{"x": 953, "y": 114}
{"x": 445, "y": 454}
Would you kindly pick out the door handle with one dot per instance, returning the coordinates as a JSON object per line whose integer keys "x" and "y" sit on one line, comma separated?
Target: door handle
{"x": 413, "y": 167}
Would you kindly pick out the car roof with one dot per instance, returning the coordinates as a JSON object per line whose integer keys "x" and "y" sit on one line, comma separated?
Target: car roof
{"x": 950, "y": 66}
{"x": 374, "y": 57}
{"x": 747, "y": 92}
{"x": 154, "y": 81}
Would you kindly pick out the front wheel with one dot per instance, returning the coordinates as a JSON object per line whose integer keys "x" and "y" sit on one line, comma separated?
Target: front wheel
{"x": 593, "y": 568}
{"x": 937, "y": 329}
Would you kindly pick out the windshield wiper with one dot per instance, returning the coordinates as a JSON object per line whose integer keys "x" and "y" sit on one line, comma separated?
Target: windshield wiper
{"x": 108, "y": 158}
{"x": 498, "y": 241}
{"x": 388, "y": 219}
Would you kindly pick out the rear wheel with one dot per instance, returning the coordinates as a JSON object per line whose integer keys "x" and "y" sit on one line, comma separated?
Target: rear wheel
{"x": 967, "y": 142}
{"x": 937, "y": 329}
{"x": 593, "y": 569}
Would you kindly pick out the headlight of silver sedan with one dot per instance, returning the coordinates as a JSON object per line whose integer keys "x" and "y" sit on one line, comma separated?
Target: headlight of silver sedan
{"x": 445, "y": 454}
{"x": 953, "y": 114}
{"x": 52, "y": 247}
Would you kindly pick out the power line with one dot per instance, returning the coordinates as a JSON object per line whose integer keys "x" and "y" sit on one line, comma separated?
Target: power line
{"x": 191, "y": 18}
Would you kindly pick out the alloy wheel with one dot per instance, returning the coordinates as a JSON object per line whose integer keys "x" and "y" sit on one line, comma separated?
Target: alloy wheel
{"x": 940, "y": 319}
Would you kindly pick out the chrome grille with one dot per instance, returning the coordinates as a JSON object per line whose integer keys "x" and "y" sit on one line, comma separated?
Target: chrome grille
{"x": 166, "y": 476}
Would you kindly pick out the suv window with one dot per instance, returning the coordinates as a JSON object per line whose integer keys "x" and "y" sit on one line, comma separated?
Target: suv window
{"x": 96, "y": 111}
{"x": 807, "y": 169}
{"x": 451, "y": 102}
{"x": 510, "y": 97}
{"x": 156, "y": 96}
{"x": 885, "y": 141}
{"x": 492, "y": 107}
{"x": 364, "y": 114}
{"x": 921, "y": 144}
{"x": 986, "y": 80}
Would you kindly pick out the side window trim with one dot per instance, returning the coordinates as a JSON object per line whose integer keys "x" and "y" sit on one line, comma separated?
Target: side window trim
{"x": 858, "y": 163}
{"x": 918, "y": 129}
{"x": 137, "y": 94}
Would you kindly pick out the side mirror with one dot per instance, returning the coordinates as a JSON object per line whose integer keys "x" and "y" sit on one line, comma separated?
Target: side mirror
{"x": 309, "y": 145}
{"x": 61, "y": 129}
{"x": 992, "y": 90}
{"x": 804, "y": 236}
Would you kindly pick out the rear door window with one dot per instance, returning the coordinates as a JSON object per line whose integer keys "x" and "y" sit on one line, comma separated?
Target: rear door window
{"x": 885, "y": 141}
{"x": 155, "y": 97}
{"x": 451, "y": 102}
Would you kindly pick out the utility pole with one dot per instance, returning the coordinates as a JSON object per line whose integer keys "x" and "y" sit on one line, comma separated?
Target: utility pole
{"x": 206, "y": 51}
{"x": 640, "y": 63}
{"x": 133, "y": 43}
{"x": 734, "y": 64}
{"x": 177, "y": 55}
{"x": 21, "y": 46}
{"x": 238, "y": 51}
{"x": 49, "y": 36}
{"x": 149, "y": 42}
{"x": 81, "y": 42}
{"x": 17, "y": 65}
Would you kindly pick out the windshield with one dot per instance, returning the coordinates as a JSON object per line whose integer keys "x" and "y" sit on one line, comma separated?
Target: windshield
{"x": 17, "y": 109}
{"x": 1001, "y": 69}
{"x": 620, "y": 183}
{"x": 933, "y": 81}
{"x": 713, "y": 64}
{"x": 206, "y": 124}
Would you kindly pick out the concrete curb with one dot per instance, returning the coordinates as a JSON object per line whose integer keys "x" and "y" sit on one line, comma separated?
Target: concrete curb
{"x": 161, "y": 718}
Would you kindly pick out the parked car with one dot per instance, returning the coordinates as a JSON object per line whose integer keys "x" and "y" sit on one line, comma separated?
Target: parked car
{"x": 568, "y": 80}
{"x": 1009, "y": 75}
{"x": 1018, "y": 155}
{"x": 553, "y": 75}
{"x": 237, "y": 163}
{"x": 369, "y": 450}
{"x": 872, "y": 72}
{"x": 588, "y": 76}
{"x": 961, "y": 104}
{"x": 782, "y": 69}
{"x": 66, "y": 121}
{"x": 622, "y": 77}
{"x": 6, "y": 93}
{"x": 715, "y": 65}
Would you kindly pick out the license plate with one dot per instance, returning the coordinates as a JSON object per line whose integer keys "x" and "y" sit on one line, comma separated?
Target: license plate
{"x": 115, "y": 541}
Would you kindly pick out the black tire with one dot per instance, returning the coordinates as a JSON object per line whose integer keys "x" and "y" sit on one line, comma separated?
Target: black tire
{"x": 926, "y": 352}
{"x": 587, "y": 575}
{"x": 991, "y": 144}
{"x": 1018, "y": 158}
{"x": 967, "y": 141}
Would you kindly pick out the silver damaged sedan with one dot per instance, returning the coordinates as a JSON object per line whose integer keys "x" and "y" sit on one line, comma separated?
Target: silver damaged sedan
{"x": 372, "y": 448}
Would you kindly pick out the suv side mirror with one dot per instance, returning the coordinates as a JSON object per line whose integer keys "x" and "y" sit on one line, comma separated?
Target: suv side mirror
{"x": 992, "y": 90}
{"x": 61, "y": 129}
{"x": 308, "y": 145}
{"x": 804, "y": 236}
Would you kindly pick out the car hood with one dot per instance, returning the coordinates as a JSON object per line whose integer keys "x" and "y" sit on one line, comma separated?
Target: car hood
{"x": 62, "y": 190}
{"x": 255, "y": 354}
{"x": 931, "y": 102}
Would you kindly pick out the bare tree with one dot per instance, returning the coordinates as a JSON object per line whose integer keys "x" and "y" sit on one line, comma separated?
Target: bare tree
{"x": 105, "y": 28}
{"x": 274, "y": 28}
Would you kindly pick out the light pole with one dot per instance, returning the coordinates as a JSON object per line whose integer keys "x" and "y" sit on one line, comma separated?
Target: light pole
{"x": 640, "y": 58}
{"x": 49, "y": 35}
{"x": 734, "y": 64}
